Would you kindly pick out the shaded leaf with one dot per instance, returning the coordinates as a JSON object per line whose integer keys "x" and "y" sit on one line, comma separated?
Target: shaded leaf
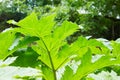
{"x": 68, "y": 74}
{"x": 48, "y": 74}
{"x": 26, "y": 58}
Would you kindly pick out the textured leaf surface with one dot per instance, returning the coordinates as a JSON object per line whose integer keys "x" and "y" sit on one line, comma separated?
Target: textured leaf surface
{"x": 55, "y": 52}
{"x": 65, "y": 30}
{"x": 34, "y": 27}
{"x": 54, "y": 42}
{"x": 82, "y": 45}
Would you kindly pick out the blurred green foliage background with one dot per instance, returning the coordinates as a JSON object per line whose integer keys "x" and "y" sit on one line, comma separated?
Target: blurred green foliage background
{"x": 96, "y": 18}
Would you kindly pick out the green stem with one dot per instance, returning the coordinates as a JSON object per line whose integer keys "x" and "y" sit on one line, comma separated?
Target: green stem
{"x": 50, "y": 58}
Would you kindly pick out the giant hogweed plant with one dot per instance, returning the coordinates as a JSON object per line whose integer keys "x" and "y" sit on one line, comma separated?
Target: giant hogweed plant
{"x": 55, "y": 54}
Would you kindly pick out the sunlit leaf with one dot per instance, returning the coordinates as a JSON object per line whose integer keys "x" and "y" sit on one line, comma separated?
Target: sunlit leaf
{"x": 6, "y": 40}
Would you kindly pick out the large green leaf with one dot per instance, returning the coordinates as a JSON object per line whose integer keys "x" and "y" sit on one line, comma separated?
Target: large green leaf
{"x": 30, "y": 22}
{"x": 87, "y": 66}
{"x": 46, "y": 25}
{"x": 55, "y": 52}
{"x": 43, "y": 55}
{"x": 50, "y": 39}
{"x": 34, "y": 27}
{"x": 82, "y": 45}
{"x": 54, "y": 43}
{"x": 28, "y": 25}
{"x": 65, "y": 30}
{"x": 6, "y": 40}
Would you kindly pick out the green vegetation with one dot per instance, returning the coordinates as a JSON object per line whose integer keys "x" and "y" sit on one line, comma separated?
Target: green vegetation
{"x": 97, "y": 18}
{"x": 44, "y": 37}
{"x": 59, "y": 40}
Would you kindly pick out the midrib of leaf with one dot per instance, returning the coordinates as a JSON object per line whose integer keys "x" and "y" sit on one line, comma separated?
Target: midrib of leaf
{"x": 50, "y": 58}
